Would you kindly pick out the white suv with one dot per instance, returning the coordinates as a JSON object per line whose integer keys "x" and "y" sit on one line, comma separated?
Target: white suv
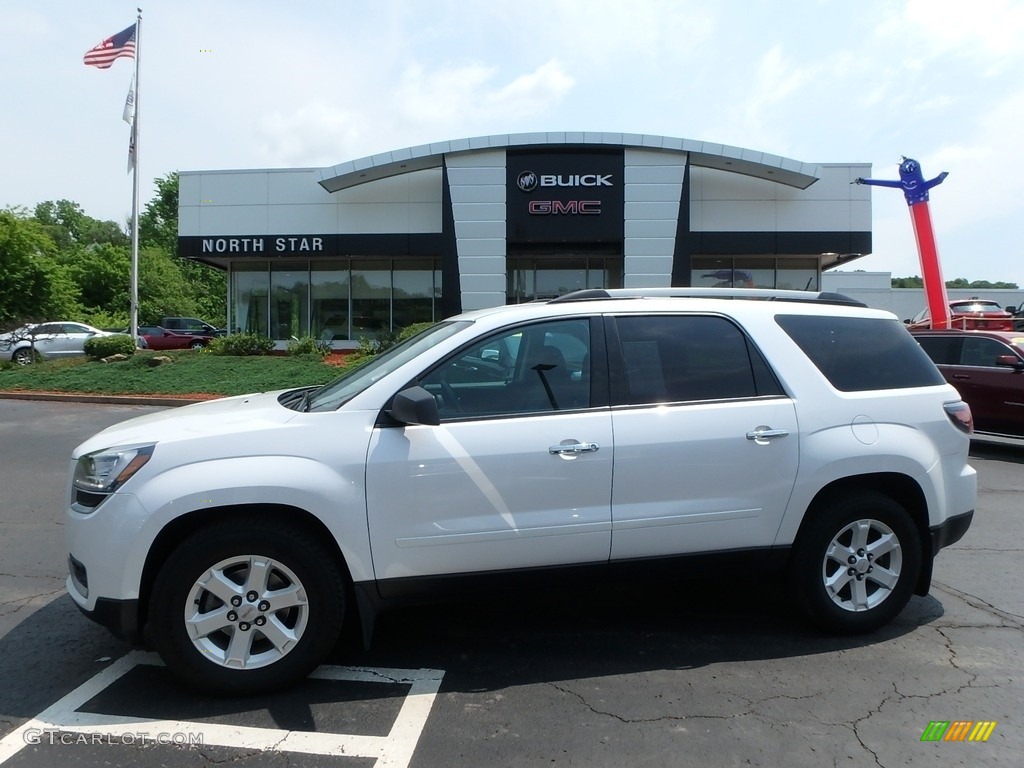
{"x": 803, "y": 433}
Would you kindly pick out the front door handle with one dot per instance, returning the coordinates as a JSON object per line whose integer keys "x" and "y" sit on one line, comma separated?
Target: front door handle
{"x": 572, "y": 447}
{"x": 761, "y": 435}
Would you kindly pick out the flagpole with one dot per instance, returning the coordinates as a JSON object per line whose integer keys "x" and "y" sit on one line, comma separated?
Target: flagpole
{"x": 135, "y": 187}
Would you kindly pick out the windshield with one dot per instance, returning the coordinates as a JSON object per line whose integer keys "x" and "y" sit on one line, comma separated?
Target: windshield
{"x": 338, "y": 392}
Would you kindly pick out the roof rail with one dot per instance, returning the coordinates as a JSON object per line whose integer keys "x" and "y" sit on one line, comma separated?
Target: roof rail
{"x": 756, "y": 294}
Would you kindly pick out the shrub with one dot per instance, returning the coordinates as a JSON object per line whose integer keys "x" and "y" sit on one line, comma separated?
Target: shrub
{"x": 240, "y": 344}
{"x": 309, "y": 346}
{"x": 99, "y": 347}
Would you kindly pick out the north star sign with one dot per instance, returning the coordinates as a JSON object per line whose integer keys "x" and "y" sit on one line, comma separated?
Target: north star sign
{"x": 259, "y": 244}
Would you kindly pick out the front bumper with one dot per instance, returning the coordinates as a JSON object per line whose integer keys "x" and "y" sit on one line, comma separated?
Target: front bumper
{"x": 119, "y": 616}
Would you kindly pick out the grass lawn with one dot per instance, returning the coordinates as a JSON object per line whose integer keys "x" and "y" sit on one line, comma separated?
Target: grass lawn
{"x": 190, "y": 373}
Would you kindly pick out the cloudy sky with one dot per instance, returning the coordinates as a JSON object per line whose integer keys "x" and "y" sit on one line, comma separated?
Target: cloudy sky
{"x": 262, "y": 84}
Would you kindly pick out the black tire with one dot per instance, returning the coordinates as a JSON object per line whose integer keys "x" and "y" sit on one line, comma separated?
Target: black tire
{"x": 197, "y": 344}
{"x": 850, "y": 591}
{"x": 292, "y": 560}
{"x": 22, "y": 356}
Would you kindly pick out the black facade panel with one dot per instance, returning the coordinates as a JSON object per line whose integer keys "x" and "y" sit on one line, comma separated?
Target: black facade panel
{"x": 778, "y": 243}
{"x": 310, "y": 246}
{"x": 565, "y": 196}
{"x": 681, "y": 268}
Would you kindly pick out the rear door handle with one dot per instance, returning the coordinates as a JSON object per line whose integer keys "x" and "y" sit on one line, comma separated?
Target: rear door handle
{"x": 761, "y": 435}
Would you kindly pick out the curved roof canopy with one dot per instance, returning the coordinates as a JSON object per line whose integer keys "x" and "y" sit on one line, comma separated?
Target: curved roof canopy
{"x": 703, "y": 154}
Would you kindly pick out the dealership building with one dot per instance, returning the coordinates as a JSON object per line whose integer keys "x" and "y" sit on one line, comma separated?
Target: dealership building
{"x": 422, "y": 233}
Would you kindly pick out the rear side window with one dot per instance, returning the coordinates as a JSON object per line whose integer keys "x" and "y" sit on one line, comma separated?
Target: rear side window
{"x": 943, "y": 350}
{"x": 858, "y": 354}
{"x": 683, "y": 358}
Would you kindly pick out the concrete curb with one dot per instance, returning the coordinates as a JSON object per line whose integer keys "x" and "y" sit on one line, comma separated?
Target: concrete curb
{"x": 79, "y": 397}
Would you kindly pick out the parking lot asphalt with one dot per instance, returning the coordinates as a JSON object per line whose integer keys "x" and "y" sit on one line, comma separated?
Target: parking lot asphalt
{"x": 689, "y": 673}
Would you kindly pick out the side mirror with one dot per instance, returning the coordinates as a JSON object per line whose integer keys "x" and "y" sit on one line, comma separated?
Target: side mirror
{"x": 415, "y": 406}
{"x": 1011, "y": 361}
{"x": 1012, "y": 309}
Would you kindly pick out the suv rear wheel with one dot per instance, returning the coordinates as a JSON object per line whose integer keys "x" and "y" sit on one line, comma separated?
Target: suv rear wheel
{"x": 243, "y": 607}
{"x": 855, "y": 563}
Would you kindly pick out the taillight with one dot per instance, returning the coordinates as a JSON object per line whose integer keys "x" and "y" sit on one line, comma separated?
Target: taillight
{"x": 960, "y": 414}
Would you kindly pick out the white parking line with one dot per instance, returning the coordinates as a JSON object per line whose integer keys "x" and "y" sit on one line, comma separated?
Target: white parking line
{"x": 392, "y": 751}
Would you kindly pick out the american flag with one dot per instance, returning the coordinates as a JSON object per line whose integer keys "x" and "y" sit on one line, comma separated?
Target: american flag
{"x": 114, "y": 47}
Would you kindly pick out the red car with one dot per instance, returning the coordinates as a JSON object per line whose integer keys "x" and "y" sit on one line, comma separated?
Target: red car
{"x": 160, "y": 338}
{"x": 968, "y": 315}
{"x": 987, "y": 369}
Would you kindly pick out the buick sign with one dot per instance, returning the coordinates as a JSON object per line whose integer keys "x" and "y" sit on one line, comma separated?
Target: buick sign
{"x": 527, "y": 181}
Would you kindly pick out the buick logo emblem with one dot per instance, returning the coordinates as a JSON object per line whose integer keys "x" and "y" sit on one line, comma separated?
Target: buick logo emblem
{"x": 527, "y": 181}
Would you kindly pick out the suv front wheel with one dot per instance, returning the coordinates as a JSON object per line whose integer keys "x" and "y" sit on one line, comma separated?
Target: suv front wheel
{"x": 855, "y": 563}
{"x": 246, "y": 606}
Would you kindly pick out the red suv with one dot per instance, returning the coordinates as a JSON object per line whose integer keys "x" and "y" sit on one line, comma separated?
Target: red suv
{"x": 968, "y": 315}
{"x": 987, "y": 369}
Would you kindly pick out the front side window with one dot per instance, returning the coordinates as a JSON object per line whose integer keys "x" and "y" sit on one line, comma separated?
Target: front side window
{"x": 680, "y": 358}
{"x": 538, "y": 368}
{"x": 982, "y": 352}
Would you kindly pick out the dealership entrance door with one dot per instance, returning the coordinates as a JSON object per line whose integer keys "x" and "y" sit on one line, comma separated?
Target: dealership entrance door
{"x": 545, "y": 276}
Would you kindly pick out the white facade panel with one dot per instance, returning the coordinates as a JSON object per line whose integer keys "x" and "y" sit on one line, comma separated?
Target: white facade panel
{"x": 311, "y": 219}
{"x": 711, "y": 184}
{"x": 188, "y": 220}
{"x": 189, "y": 189}
{"x": 296, "y": 187}
{"x": 737, "y": 216}
{"x": 650, "y": 246}
{"x": 654, "y": 174}
{"x": 649, "y": 265}
{"x": 488, "y": 283}
{"x": 490, "y": 193}
{"x": 814, "y": 216}
{"x": 478, "y": 229}
{"x": 482, "y": 247}
{"x": 656, "y": 193}
{"x": 383, "y": 219}
{"x": 234, "y": 220}
{"x": 476, "y": 176}
{"x": 651, "y": 228}
{"x": 479, "y": 211}
{"x": 234, "y": 188}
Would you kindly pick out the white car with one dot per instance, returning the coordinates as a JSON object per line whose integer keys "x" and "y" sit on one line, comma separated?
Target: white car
{"x": 51, "y": 340}
{"x": 605, "y": 430}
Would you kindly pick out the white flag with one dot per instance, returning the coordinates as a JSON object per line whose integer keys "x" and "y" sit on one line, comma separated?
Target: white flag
{"x": 131, "y": 151}
{"x": 129, "y": 104}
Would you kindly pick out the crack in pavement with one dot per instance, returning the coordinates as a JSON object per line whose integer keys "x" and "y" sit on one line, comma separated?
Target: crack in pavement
{"x": 1014, "y": 619}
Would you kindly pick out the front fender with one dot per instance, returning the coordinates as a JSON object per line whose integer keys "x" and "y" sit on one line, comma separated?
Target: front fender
{"x": 335, "y": 498}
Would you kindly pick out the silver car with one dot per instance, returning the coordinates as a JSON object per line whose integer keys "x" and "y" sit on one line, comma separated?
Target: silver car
{"x": 51, "y": 340}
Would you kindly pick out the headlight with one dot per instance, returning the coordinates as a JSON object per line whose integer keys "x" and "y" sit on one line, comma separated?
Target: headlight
{"x": 105, "y": 471}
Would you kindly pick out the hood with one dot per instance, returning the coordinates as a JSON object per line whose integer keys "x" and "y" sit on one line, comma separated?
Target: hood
{"x": 229, "y": 415}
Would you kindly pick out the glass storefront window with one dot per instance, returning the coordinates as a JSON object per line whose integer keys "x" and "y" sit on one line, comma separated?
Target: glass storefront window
{"x": 546, "y": 277}
{"x": 798, "y": 274}
{"x": 334, "y": 300}
{"x": 289, "y": 297}
{"x": 250, "y": 290}
{"x": 416, "y": 287}
{"x": 328, "y": 284}
{"x": 371, "y": 299}
{"x": 791, "y": 273}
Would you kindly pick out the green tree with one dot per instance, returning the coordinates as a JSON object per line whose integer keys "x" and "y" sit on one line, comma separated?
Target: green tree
{"x": 34, "y": 285}
{"x": 67, "y": 225}
{"x": 907, "y": 282}
{"x": 158, "y": 227}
